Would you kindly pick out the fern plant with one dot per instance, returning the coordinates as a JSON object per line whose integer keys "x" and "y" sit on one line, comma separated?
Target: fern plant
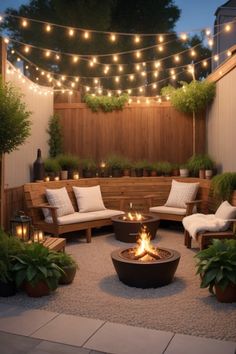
{"x": 223, "y": 185}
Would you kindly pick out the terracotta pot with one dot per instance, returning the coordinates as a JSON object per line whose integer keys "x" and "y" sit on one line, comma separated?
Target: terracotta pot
{"x": 7, "y": 289}
{"x": 116, "y": 172}
{"x": 228, "y": 295}
{"x": 202, "y": 174}
{"x": 153, "y": 173}
{"x": 175, "y": 172}
{"x": 69, "y": 275}
{"x": 126, "y": 172}
{"x": 40, "y": 289}
{"x": 146, "y": 173}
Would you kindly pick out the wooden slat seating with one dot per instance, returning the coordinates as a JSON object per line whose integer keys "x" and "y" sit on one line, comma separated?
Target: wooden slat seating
{"x": 36, "y": 200}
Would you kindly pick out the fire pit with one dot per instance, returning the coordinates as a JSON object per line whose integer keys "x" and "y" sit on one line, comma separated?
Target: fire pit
{"x": 127, "y": 227}
{"x": 145, "y": 266}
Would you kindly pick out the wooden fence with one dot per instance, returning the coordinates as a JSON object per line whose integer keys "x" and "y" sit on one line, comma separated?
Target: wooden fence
{"x": 140, "y": 131}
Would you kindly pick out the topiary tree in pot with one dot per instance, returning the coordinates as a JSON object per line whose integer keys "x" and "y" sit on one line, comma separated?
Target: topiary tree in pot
{"x": 14, "y": 127}
{"x": 191, "y": 98}
{"x": 55, "y": 140}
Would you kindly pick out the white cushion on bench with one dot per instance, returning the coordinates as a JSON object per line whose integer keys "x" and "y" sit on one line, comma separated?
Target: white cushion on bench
{"x": 83, "y": 217}
{"x": 89, "y": 198}
{"x": 168, "y": 210}
{"x": 181, "y": 193}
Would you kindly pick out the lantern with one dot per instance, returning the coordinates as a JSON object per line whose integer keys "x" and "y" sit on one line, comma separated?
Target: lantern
{"x": 38, "y": 236}
{"x": 21, "y": 226}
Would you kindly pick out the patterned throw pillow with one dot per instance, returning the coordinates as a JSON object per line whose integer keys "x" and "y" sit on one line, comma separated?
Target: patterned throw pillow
{"x": 59, "y": 198}
{"x": 89, "y": 198}
{"x": 181, "y": 193}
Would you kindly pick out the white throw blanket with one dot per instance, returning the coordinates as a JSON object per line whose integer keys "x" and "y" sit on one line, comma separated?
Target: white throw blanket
{"x": 200, "y": 222}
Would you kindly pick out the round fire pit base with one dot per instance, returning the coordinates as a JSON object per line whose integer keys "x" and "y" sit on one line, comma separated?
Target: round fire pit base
{"x": 142, "y": 274}
{"x": 128, "y": 230}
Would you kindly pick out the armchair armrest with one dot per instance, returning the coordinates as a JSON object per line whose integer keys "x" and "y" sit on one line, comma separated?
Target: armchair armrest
{"x": 52, "y": 210}
{"x": 190, "y": 206}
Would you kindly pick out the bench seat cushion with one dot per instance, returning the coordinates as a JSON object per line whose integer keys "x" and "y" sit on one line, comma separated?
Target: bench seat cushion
{"x": 168, "y": 210}
{"x": 83, "y": 217}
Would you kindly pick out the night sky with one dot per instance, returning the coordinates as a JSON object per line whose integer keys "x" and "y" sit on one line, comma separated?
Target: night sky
{"x": 196, "y": 14}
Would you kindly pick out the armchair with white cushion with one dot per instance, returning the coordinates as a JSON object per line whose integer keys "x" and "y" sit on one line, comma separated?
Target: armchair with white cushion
{"x": 181, "y": 202}
{"x": 203, "y": 228}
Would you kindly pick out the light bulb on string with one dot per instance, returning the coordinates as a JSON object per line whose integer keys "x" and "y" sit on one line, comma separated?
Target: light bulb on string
{"x": 47, "y": 53}
{"x": 193, "y": 53}
{"x": 48, "y": 28}
{"x": 129, "y": 91}
{"x": 77, "y": 79}
{"x": 140, "y": 89}
{"x": 26, "y": 49}
{"x": 87, "y": 88}
{"x": 177, "y": 58}
{"x": 120, "y": 68}
{"x": 57, "y": 57}
{"x": 229, "y": 53}
{"x": 137, "y": 39}
{"x": 161, "y": 39}
{"x": 216, "y": 57}
{"x": 160, "y": 48}
{"x": 157, "y": 64}
{"x": 112, "y": 37}
{"x": 117, "y": 79}
{"x": 131, "y": 77}
{"x": 71, "y": 32}
{"x": 138, "y": 54}
{"x": 208, "y": 32}
{"x": 75, "y": 59}
{"x": 210, "y": 42}
{"x": 143, "y": 73}
{"x": 154, "y": 86}
{"x": 86, "y": 35}
{"x": 227, "y": 28}
{"x": 91, "y": 63}
{"x": 115, "y": 58}
{"x": 119, "y": 92}
{"x": 205, "y": 64}
{"x": 137, "y": 67}
{"x": 24, "y": 23}
{"x": 184, "y": 36}
{"x": 155, "y": 73}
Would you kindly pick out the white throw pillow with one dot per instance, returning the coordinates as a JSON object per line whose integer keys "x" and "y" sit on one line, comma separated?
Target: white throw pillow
{"x": 181, "y": 193}
{"x": 89, "y": 198}
{"x": 59, "y": 198}
{"x": 225, "y": 211}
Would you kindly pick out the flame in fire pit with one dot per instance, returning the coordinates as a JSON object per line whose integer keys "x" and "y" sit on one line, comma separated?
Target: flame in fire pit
{"x": 145, "y": 251}
{"x": 135, "y": 216}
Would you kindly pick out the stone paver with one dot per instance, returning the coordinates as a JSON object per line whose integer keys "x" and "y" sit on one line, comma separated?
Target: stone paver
{"x": 123, "y": 339}
{"x": 68, "y": 329}
{"x": 15, "y": 344}
{"x": 184, "y": 344}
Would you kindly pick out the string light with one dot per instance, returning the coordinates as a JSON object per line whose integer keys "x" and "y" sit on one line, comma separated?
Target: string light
{"x": 208, "y": 32}
{"x": 227, "y": 28}
{"x": 71, "y": 32}
{"x": 137, "y": 39}
{"x": 113, "y": 37}
{"x": 48, "y": 53}
{"x": 75, "y": 59}
{"x": 26, "y": 49}
{"x": 160, "y": 48}
{"x": 115, "y": 58}
{"x": 57, "y": 57}
{"x": 86, "y": 35}
{"x": 138, "y": 54}
{"x": 184, "y": 36}
{"x": 48, "y": 28}
{"x": 24, "y": 23}
{"x": 161, "y": 39}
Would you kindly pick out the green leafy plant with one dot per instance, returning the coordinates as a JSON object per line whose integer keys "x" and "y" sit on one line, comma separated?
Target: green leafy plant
{"x": 36, "y": 263}
{"x": 88, "y": 164}
{"x": 55, "y": 136}
{"x": 191, "y": 98}
{"x": 223, "y": 185}
{"x": 116, "y": 161}
{"x": 164, "y": 167}
{"x": 63, "y": 259}
{"x": 51, "y": 165}
{"x": 68, "y": 161}
{"x": 217, "y": 264}
{"x": 140, "y": 164}
{"x": 9, "y": 246}
{"x": 200, "y": 161}
{"x": 106, "y": 103}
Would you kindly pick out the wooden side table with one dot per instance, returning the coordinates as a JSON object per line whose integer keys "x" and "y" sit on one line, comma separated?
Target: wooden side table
{"x": 55, "y": 243}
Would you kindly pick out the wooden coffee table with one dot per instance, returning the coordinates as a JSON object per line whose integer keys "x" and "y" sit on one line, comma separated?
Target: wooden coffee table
{"x": 55, "y": 243}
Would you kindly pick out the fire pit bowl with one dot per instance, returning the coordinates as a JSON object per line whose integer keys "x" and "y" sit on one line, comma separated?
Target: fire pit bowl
{"x": 127, "y": 230}
{"x": 145, "y": 274}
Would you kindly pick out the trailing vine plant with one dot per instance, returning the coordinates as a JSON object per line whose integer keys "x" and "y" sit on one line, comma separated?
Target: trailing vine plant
{"x": 106, "y": 103}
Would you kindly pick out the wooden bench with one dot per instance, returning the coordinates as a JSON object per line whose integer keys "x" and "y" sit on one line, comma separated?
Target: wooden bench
{"x": 35, "y": 199}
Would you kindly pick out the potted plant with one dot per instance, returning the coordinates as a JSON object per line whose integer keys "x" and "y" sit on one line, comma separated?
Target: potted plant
{"x": 147, "y": 167}
{"x": 165, "y": 168}
{"x": 199, "y": 163}
{"x": 184, "y": 170}
{"x": 68, "y": 164}
{"x": 217, "y": 268}
{"x": 223, "y": 185}
{"x": 88, "y": 167}
{"x": 138, "y": 167}
{"x": 175, "y": 169}
{"x": 14, "y": 127}
{"x": 52, "y": 168}
{"x": 127, "y": 165}
{"x": 116, "y": 164}
{"x": 9, "y": 247}
{"x": 191, "y": 98}
{"x": 69, "y": 266}
{"x": 36, "y": 270}
{"x": 154, "y": 169}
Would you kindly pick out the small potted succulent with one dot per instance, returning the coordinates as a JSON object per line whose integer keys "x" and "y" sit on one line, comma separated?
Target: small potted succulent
{"x": 199, "y": 164}
{"x": 88, "y": 167}
{"x": 36, "y": 271}
{"x": 69, "y": 266}
{"x": 139, "y": 167}
{"x": 165, "y": 168}
{"x": 217, "y": 268}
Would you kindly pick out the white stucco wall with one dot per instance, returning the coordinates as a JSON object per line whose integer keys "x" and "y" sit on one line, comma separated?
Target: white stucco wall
{"x": 19, "y": 163}
{"x": 221, "y": 123}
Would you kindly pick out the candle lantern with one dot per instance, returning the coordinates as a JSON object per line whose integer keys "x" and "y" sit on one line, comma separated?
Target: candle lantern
{"x": 21, "y": 226}
{"x": 38, "y": 236}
